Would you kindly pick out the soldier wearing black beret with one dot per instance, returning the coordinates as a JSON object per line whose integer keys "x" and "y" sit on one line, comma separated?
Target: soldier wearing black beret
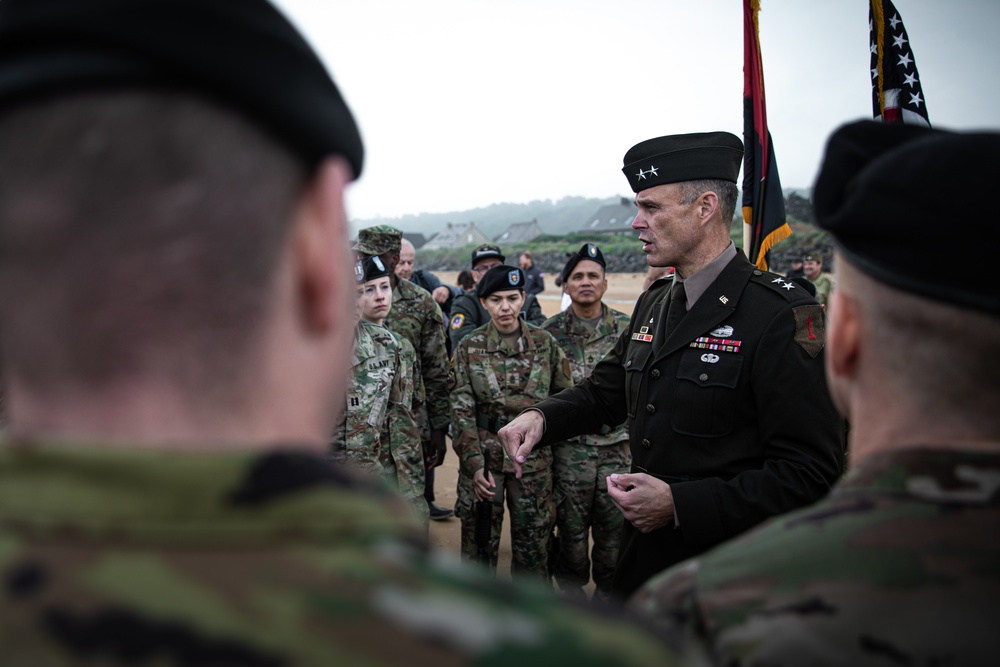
{"x": 467, "y": 313}
{"x": 719, "y": 376}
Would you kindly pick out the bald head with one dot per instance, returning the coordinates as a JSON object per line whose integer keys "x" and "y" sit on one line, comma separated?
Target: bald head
{"x": 407, "y": 254}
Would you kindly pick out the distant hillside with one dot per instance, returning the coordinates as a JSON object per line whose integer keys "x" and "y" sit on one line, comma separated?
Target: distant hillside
{"x": 564, "y": 216}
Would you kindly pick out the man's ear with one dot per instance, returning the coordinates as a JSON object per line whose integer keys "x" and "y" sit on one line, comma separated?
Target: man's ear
{"x": 323, "y": 262}
{"x": 843, "y": 337}
{"x": 708, "y": 204}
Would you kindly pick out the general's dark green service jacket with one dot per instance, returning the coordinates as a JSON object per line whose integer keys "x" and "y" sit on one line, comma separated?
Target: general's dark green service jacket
{"x": 732, "y": 411}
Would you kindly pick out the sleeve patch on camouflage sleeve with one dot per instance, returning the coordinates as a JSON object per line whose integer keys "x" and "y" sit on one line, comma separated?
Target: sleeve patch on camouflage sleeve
{"x": 457, "y": 321}
{"x": 810, "y": 328}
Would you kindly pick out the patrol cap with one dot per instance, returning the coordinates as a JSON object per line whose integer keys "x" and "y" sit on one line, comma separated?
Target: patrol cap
{"x": 812, "y": 257}
{"x": 379, "y": 239}
{"x": 683, "y": 157}
{"x": 586, "y": 251}
{"x": 372, "y": 267}
{"x": 499, "y": 279}
{"x": 244, "y": 55}
{"x": 887, "y": 194}
{"x": 485, "y": 251}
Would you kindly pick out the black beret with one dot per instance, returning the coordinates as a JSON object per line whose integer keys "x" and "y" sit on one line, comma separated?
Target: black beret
{"x": 889, "y": 194}
{"x": 683, "y": 157}
{"x": 485, "y": 251}
{"x": 586, "y": 251}
{"x": 241, "y": 53}
{"x": 371, "y": 267}
{"x": 499, "y": 279}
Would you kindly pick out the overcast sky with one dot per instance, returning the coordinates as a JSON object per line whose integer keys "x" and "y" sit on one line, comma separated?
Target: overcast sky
{"x": 465, "y": 103}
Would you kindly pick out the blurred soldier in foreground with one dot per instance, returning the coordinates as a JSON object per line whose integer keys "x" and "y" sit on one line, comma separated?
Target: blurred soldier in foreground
{"x": 500, "y": 369}
{"x": 468, "y": 313}
{"x": 720, "y": 374}
{"x": 416, "y": 317}
{"x": 898, "y": 565}
{"x": 586, "y": 331}
{"x": 173, "y": 242}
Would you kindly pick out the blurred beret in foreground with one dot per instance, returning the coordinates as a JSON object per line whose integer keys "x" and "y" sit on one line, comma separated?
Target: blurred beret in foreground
{"x": 244, "y": 55}
{"x": 900, "y": 198}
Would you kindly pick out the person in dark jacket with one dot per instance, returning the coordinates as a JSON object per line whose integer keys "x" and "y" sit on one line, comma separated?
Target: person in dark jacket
{"x": 719, "y": 375}
{"x": 534, "y": 278}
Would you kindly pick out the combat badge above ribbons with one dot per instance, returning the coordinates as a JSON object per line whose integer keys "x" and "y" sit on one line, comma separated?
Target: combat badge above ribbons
{"x": 719, "y": 339}
{"x": 810, "y": 328}
{"x": 458, "y": 321}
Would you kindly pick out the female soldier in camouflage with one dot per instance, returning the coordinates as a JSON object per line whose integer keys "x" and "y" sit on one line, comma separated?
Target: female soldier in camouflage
{"x": 501, "y": 368}
{"x": 402, "y": 453}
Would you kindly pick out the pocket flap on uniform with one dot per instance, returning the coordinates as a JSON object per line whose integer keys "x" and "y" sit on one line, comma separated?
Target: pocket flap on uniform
{"x": 710, "y": 369}
{"x": 636, "y": 356}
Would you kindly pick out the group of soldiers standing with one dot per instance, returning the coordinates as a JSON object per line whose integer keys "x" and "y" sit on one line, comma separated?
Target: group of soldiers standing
{"x": 506, "y": 357}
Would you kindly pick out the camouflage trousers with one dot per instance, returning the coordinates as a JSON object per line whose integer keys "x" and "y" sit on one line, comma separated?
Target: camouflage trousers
{"x": 532, "y": 517}
{"x": 584, "y": 506}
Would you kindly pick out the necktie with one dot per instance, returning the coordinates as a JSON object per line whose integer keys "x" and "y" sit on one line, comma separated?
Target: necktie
{"x": 676, "y": 309}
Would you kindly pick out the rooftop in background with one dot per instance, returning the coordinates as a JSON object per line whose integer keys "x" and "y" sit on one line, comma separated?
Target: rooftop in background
{"x": 612, "y": 219}
{"x": 520, "y": 232}
{"x": 457, "y": 236}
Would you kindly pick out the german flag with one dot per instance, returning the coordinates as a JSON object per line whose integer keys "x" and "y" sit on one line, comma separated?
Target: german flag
{"x": 763, "y": 201}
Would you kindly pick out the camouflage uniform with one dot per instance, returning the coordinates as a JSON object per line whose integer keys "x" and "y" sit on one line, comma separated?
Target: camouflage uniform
{"x": 493, "y": 382}
{"x": 417, "y": 317}
{"x": 581, "y": 465}
{"x": 403, "y": 434}
{"x": 898, "y": 565}
{"x": 824, "y": 286}
{"x": 357, "y": 437}
{"x": 113, "y": 555}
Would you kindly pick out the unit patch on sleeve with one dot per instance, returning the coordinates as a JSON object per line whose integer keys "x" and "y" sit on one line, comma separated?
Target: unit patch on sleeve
{"x": 810, "y": 328}
{"x": 458, "y": 321}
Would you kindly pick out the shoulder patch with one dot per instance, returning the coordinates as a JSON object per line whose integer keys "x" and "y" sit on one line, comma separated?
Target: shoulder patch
{"x": 810, "y": 328}
{"x": 458, "y": 321}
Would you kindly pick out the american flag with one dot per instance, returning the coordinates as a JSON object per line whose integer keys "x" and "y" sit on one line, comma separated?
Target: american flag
{"x": 896, "y": 93}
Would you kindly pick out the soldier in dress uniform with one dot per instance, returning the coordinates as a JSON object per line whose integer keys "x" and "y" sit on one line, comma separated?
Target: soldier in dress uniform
{"x": 898, "y": 565}
{"x": 719, "y": 375}
{"x": 498, "y": 370}
{"x": 586, "y": 332}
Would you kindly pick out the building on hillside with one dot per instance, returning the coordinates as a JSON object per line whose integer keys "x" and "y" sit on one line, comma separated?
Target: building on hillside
{"x": 457, "y": 236}
{"x": 611, "y": 219}
{"x": 520, "y": 232}
{"x": 418, "y": 240}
